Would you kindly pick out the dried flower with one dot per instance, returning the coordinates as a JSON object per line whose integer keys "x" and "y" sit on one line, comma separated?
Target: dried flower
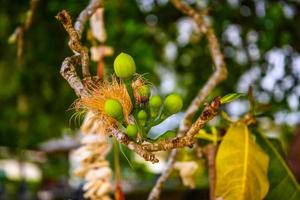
{"x": 94, "y": 168}
{"x": 141, "y": 90}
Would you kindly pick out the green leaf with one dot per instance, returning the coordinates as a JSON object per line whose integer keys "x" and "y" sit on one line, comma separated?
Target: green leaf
{"x": 241, "y": 166}
{"x": 226, "y": 116}
{"x": 231, "y": 97}
{"x": 276, "y": 143}
{"x": 283, "y": 185}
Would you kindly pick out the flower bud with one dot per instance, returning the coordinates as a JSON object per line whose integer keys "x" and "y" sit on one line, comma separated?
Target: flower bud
{"x": 113, "y": 108}
{"x": 173, "y": 104}
{"x": 143, "y": 94}
{"x": 124, "y": 66}
{"x": 131, "y": 130}
{"x": 142, "y": 115}
{"x": 155, "y": 101}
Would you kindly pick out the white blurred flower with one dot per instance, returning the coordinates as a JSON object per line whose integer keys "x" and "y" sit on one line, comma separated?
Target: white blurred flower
{"x": 187, "y": 171}
{"x": 97, "y": 25}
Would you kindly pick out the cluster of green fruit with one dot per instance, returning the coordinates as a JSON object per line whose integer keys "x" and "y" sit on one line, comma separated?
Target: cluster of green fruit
{"x": 148, "y": 110}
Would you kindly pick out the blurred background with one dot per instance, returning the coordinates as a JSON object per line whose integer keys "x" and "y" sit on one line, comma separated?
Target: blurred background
{"x": 260, "y": 40}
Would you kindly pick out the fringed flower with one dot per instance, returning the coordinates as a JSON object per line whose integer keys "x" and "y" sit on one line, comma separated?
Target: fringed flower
{"x": 100, "y": 94}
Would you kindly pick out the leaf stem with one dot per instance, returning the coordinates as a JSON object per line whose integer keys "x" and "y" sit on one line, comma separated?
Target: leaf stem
{"x": 117, "y": 161}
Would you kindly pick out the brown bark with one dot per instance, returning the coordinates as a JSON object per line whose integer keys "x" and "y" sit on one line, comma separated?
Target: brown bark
{"x": 211, "y": 151}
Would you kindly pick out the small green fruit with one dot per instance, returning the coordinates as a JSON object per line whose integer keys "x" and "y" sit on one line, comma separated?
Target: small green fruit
{"x": 142, "y": 115}
{"x": 124, "y": 66}
{"x": 155, "y": 101}
{"x": 131, "y": 130}
{"x": 113, "y": 108}
{"x": 173, "y": 103}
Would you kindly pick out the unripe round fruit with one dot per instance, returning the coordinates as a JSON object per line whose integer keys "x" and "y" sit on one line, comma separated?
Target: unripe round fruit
{"x": 124, "y": 66}
{"x": 131, "y": 130}
{"x": 113, "y": 108}
{"x": 155, "y": 101}
{"x": 173, "y": 103}
{"x": 142, "y": 115}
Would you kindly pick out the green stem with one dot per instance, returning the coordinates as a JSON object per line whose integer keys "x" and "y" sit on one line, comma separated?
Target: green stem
{"x": 140, "y": 128}
{"x": 116, "y": 161}
{"x": 130, "y": 91}
{"x": 159, "y": 119}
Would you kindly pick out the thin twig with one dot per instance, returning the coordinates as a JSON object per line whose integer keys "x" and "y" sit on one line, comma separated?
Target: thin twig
{"x": 74, "y": 42}
{"x": 211, "y": 151}
{"x": 85, "y": 15}
{"x": 137, "y": 148}
{"x": 18, "y": 34}
{"x": 156, "y": 190}
{"x": 68, "y": 71}
{"x": 30, "y": 14}
{"x": 218, "y": 76}
{"x": 68, "y": 68}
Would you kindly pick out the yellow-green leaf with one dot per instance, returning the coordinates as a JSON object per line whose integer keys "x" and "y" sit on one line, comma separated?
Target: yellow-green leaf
{"x": 241, "y": 166}
{"x": 230, "y": 97}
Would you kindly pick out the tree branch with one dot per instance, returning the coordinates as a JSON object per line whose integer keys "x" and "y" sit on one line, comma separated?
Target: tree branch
{"x": 85, "y": 15}
{"x": 211, "y": 151}
{"x": 137, "y": 148}
{"x": 196, "y": 16}
{"x": 68, "y": 71}
{"x": 80, "y": 56}
{"x": 74, "y": 42}
{"x": 155, "y": 192}
{"x": 218, "y": 76}
{"x": 144, "y": 150}
{"x": 209, "y": 112}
